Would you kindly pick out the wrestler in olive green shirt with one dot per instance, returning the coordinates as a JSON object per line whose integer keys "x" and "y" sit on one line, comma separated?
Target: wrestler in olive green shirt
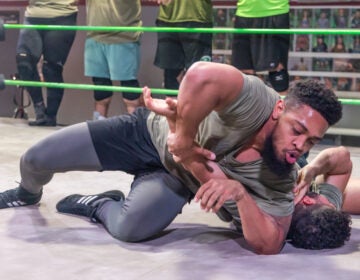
{"x": 51, "y": 8}
{"x": 175, "y": 12}
{"x": 114, "y": 13}
{"x": 243, "y": 118}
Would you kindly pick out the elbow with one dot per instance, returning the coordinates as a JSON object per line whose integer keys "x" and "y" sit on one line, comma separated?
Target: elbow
{"x": 344, "y": 151}
{"x": 268, "y": 249}
{"x": 346, "y": 156}
{"x": 199, "y": 72}
{"x": 268, "y": 245}
{"x": 198, "y": 66}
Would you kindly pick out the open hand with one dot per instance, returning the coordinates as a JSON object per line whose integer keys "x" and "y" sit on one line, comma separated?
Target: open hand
{"x": 183, "y": 148}
{"x": 165, "y": 107}
{"x": 213, "y": 194}
{"x": 303, "y": 183}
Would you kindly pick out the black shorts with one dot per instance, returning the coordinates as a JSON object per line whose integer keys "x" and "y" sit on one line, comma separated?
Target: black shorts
{"x": 124, "y": 143}
{"x": 261, "y": 52}
{"x": 181, "y": 50}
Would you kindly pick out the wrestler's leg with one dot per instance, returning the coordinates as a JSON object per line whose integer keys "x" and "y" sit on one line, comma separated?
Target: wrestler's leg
{"x": 155, "y": 199}
{"x": 68, "y": 149}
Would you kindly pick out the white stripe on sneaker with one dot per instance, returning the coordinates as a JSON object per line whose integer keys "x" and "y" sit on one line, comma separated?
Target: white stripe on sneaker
{"x": 87, "y": 199}
{"x": 16, "y": 203}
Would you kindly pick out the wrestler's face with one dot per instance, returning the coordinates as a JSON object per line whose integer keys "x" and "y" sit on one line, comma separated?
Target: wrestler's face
{"x": 311, "y": 202}
{"x": 297, "y": 130}
{"x": 275, "y": 164}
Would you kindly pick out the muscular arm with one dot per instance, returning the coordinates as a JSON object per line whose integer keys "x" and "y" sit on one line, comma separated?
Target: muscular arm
{"x": 264, "y": 233}
{"x": 206, "y": 87}
{"x": 352, "y": 197}
{"x": 332, "y": 165}
{"x": 204, "y": 171}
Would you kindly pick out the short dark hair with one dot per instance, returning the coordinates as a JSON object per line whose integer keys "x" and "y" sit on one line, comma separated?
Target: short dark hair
{"x": 316, "y": 95}
{"x": 319, "y": 227}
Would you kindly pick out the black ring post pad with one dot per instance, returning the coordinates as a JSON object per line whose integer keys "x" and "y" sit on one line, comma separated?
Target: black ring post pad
{"x": 2, "y": 81}
{"x": 2, "y": 30}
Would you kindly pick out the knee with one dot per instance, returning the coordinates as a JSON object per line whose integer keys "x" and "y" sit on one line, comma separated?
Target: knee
{"x": 25, "y": 66}
{"x": 126, "y": 236}
{"x": 102, "y": 94}
{"x": 33, "y": 160}
{"x": 52, "y": 71}
{"x": 127, "y": 231}
{"x": 171, "y": 78}
{"x": 130, "y": 95}
{"x": 128, "y": 224}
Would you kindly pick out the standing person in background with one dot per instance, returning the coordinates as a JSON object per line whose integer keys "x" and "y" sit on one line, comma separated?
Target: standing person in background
{"x": 263, "y": 52}
{"x": 176, "y": 52}
{"x": 113, "y": 56}
{"x": 53, "y": 45}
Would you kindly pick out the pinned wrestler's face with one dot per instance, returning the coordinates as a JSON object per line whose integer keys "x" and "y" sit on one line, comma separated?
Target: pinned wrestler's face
{"x": 312, "y": 198}
{"x": 311, "y": 202}
{"x": 302, "y": 211}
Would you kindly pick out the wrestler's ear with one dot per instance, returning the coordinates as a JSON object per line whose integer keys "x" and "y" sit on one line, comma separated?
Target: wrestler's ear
{"x": 308, "y": 200}
{"x": 279, "y": 109}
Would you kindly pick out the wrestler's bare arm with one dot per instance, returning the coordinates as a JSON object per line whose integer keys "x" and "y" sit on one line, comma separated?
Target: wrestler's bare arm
{"x": 264, "y": 233}
{"x": 206, "y": 86}
{"x": 352, "y": 197}
{"x": 332, "y": 165}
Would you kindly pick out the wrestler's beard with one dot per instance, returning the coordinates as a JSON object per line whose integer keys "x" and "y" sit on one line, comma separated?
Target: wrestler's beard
{"x": 277, "y": 166}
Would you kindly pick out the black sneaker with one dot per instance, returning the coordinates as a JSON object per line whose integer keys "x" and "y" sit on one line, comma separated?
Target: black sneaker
{"x": 86, "y": 205}
{"x": 18, "y": 197}
{"x": 46, "y": 121}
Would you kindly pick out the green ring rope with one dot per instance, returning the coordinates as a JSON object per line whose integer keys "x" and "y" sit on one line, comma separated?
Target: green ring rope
{"x": 163, "y": 29}
{"x": 344, "y": 101}
{"x": 87, "y": 87}
{"x": 185, "y": 29}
